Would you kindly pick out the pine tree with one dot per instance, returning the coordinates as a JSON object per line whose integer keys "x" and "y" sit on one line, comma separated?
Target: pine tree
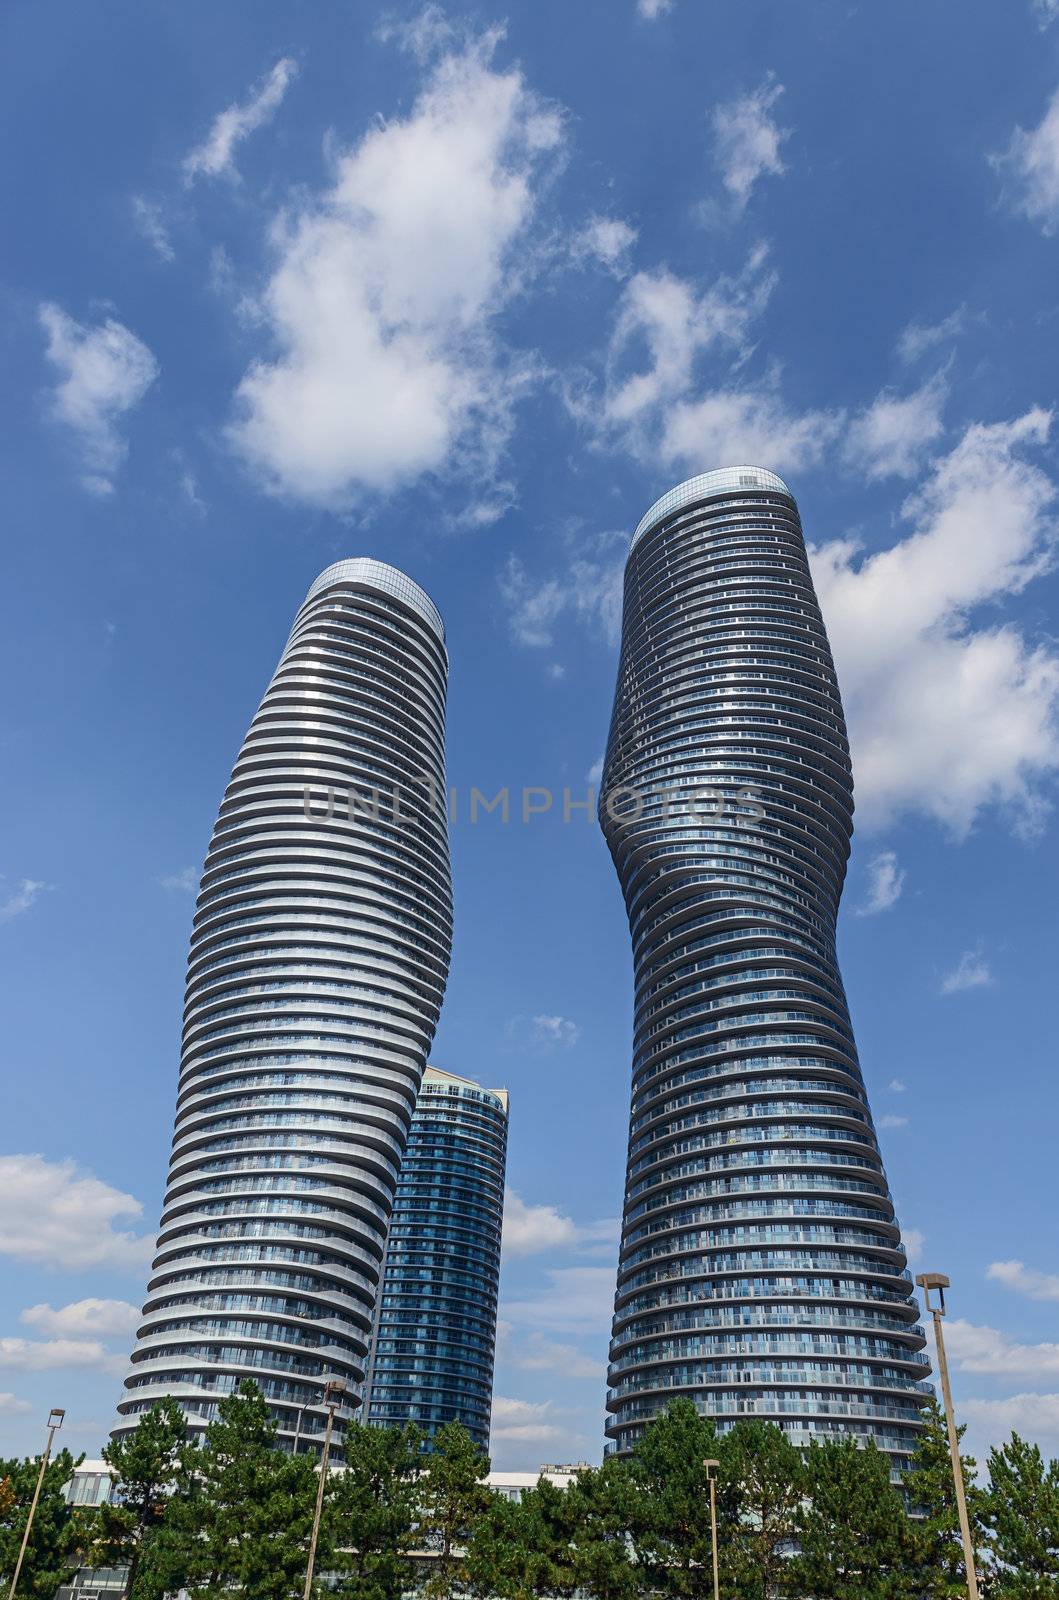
{"x": 1022, "y": 1510}
{"x": 600, "y": 1510}
{"x": 60, "y": 1531}
{"x": 453, "y": 1496}
{"x": 371, "y": 1512}
{"x": 242, "y": 1522}
{"x": 931, "y": 1498}
{"x": 760, "y": 1488}
{"x": 147, "y": 1465}
{"x": 669, "y": 1520}
{"x": 853, "y": 1534}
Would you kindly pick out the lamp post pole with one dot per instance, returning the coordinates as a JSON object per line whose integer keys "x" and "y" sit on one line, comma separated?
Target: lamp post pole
{"x": 711, "y": 1474}
{"x": 55, "y": 1421}
{"x": 333, "y": 1392}
{"x": 929, "y": 1281}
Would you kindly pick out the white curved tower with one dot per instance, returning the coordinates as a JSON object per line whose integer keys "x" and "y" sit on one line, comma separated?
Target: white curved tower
{"x": 762, "y": 1271}
{"x": 318, "y": 962}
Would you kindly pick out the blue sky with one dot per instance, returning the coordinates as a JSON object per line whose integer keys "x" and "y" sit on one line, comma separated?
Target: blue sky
{"x": 466, "y": 291}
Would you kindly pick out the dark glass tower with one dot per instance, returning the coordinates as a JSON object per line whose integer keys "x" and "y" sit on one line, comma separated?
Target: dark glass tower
{"x": 761, "y": 1270}
{"x": 319, "y": 955}
{"x": 432, "y": 1355}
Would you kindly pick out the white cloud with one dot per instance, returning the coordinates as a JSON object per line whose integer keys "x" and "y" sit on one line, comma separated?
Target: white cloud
{"x": 555, "y": 1031}
{"x": 594, "y": 774}
{"x": 50, "y": 1355}
{"x": 103, "y": 372}
{"x": 890, "y": 1120}
{"x": 747, "y": 140}
{"x": 985, "y": 1350}
{"x": 1025, "y": 1280}
{"x": 747, "y": 425}
{"x": 653, "y": 8}
{"x": 11, "y": 1405}
{"x": 891, "y": 436}
{"x": 589, "y": 588}
{"x": 1045, "y": 11}
{"x": 1033, "y": 1416}
{"x": 664, "y": 317}
{"x": 898, "y": 1085}
{"x": 383, "y": 301}
{"x": 83, "y": 1318}
{"x": 574, "y": 1300}
{"x": 538, "y": 1354}
{"x": 970, "y": 972}
{"x": 607, "y": 240}
{"x": 914, "y": 1240}
{"x": 150, "y": 223}
{"x": 1031, "y": 167}
{"x": 186, "y": 880}
{"x": 530, "y": 1230}
{"x": 23, "y": 899}
{"x": 215, "y": 155}
{"x": 660, "y": 404}
{"x": 920, "y": 337}
{"x": 950, "y": 711}
{"x": 525, "y": 1420}
{"x": 886, "y": 880}
{"x": 55, "y": 1215}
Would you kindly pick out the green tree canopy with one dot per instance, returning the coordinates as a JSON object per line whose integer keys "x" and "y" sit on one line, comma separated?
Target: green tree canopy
{"x": 854, "y": 1540}
{"x": 931, "y": 1497}
{"x": 761, "y": 1484}
{"x": 668, "y": 1516}
{"x": 60, "y": 1532}
{"x": 1022, "y": 1512}
{"x": 453, "y": 1496}
{"x": 371, "y": 1512}
{"x": 148, "y": 1468}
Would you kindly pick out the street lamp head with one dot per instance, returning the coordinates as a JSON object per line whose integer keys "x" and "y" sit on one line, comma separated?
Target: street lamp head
{"x": 55, "y": 1417}
{"x": 334, "y": 1389}
{"x": 933, "y": 1280}
{"x": 712, "y": 1468}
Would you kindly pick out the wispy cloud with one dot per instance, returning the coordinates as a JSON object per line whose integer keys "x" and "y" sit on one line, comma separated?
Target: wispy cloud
{"x": 919, "y": 338}
{"x": 538, "y": 1354}
{"x": 970, "y": 972}
{"x": 653, "y": 8}
{"x": 914, "y": 1240}
{"x": 891, "y": 437}
{"x": 897, "y": 1085}
{"x": 21, "y": 899}
{"x": 891, "y": 1120}
{"x": 588, "y": 589}
{"x": 215, "y": 156}
{"x": 531, "y": 1230}
{"x": 573, "y": 1300}
{"x": 103, "y": 373}
{"x": 54, "y": 1214}
{"x": 1025, "y": 1280}
{"x": 886, "y": 880}
{"x": 186, "y": 881}
{"x": 150, "y": 223}
{"x": 11, "y": 1405}
{"x": 606, "y": 240}
{"x": 1030, "y": 169}
{"x": 747, "y": 139}
{"x": 1032, "y": 1416}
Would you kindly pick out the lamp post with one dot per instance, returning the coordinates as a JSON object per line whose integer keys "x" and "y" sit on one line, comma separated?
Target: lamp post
{"x": 334, "y": 1389}
{"x": 55, "y": 1421}
{"x": 711, "y": 1475}
{"x": 929, "y": 1281}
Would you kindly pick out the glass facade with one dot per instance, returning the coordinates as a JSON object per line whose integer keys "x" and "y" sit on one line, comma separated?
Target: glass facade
{"x": 319, "y": 956}
{"x": 761, "y": 1270}
{"x": 432, "y": 1355}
